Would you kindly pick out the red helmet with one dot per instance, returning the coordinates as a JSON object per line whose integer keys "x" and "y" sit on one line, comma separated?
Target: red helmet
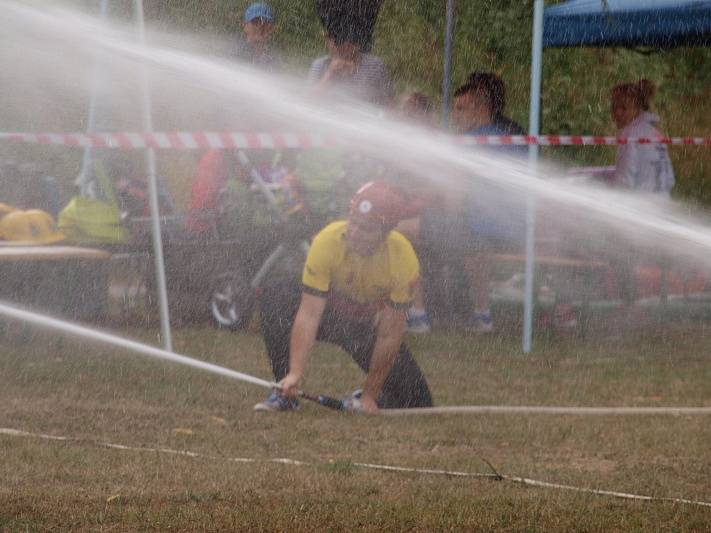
{"x": 378, "y": 203}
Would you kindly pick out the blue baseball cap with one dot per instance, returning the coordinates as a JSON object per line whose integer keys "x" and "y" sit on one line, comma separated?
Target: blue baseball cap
{"x": 258, "y": 10}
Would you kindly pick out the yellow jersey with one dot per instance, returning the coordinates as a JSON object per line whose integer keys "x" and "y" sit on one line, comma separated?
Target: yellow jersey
{"x": 360, "y": 285}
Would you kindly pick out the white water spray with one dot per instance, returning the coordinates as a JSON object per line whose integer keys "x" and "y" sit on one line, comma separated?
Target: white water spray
{"x": 133, "y": 346}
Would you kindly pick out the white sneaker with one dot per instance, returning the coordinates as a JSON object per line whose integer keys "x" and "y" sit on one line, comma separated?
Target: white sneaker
{"x": 564, "y": 317}
{"x": 418, "y": 323}
{"x": 480, "y": 323}
{"x": 277, "y": 402}
{"x": 352, "y": 402}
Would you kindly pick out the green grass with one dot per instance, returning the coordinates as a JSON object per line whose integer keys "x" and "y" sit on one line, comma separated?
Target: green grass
{"x": 98, "y": 394}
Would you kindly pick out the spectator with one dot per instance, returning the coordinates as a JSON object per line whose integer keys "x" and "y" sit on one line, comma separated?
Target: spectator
{"x": 329, "y": 177}
{"x": 348, "y": 66}
{"x": 642, "y": 167}
{"x": 254, "y": 48}
{"x": 479, "y": 110}
{"x": 258, "y": 30}
{"x": 356, "y": 284}
{"x": 415, "y": 107}
{"x": 203, "y": 205}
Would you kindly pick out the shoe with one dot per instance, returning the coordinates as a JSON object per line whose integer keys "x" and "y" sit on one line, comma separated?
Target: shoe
{"x": 511, "y": 289}
{"x": 480, "y": 323}
{"x": 418, "y": 323}
{"x": 352, "y": 402}
{"x": 564, "y": 317}
{"x": 276, "y": 402}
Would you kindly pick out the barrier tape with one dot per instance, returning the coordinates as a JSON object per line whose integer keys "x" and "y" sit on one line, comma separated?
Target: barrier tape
{"x": 577, "y": 140}
{"x": 183, "y": 140}
{"x": 387, "y": 468}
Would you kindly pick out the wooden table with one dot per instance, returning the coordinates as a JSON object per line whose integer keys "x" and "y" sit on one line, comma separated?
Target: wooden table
{"x": 14, "y": 252}
{"x": 69, "y": 281}
{"x": 545, "y": 264}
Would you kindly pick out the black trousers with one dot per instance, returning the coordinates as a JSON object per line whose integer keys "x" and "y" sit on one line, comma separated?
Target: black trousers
{"x": 404, "y": 387}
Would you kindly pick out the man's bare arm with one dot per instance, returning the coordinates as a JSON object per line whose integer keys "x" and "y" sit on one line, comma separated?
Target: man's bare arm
{"x": 303, "y": 336}
{"x": 390, "y": 330}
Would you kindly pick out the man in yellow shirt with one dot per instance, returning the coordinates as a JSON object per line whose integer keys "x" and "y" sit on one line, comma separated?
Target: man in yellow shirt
{"x": 357, "y": 283}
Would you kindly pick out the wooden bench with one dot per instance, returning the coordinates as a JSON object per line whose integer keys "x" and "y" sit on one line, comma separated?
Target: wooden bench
{"x": 554, "y": 261}
{"x": 543, "y": 264}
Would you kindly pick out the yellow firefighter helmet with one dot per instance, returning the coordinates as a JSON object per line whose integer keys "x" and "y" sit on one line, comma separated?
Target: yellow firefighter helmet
{"x": 6, "y": 209}
{"x": 33, "y": 226}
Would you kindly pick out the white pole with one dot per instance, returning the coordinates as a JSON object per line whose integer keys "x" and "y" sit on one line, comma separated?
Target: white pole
{"x": 84, "y": 173}
{"x": 447, "y": 78}
{"x": 533, "y": 129}
{"x": 153, "y": 193}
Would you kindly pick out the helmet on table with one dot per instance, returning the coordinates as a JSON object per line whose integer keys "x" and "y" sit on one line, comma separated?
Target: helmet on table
{"x": 32, "y": 226}
{"x": 6, "y": 209}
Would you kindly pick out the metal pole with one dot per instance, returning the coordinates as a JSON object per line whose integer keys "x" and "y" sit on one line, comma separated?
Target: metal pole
{"x": 153, "y": 192}
{"x": 91, "y": 120}
{"x": 446, "y": 81}
{"x": 533, "y": 129}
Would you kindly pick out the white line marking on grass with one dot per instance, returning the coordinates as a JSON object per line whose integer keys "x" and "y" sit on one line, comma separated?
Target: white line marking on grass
{"x": 547, "y": 410}
{"x": 388, "y": 468}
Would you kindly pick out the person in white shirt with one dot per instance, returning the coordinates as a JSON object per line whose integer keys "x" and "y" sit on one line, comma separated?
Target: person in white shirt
{"x": 349, "y": 67}
{"x": 640, "y": 167}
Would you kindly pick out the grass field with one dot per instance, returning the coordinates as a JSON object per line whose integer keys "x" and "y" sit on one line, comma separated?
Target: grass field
{"x": 96, "y": 394}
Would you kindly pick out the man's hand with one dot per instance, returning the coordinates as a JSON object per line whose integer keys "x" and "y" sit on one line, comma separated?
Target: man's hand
{"x": 340, "y": 68}
{"x": 289, "y": 386}
{"x": 368, "y": 404}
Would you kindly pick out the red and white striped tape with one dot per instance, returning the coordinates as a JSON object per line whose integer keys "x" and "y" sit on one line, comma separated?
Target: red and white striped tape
{"x": 183, "y": 140}
{"x": 177, "y": 140}
{"x": 577, "y": 140}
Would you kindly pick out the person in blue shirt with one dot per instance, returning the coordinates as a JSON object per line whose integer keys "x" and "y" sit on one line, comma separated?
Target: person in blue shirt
{"x": 478, "y": 109}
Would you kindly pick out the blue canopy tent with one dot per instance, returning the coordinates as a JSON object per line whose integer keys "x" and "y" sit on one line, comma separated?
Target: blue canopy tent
{"x": 653, "y": 23}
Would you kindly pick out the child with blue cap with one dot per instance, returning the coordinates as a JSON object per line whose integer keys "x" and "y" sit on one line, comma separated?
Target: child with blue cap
{"x": 258, "y": 29}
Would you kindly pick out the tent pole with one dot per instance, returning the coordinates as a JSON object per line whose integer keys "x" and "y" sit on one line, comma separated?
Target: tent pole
{"x": 83, "y": 180}
{"x": 447, "y": 79}
{"x": 153, "y": 192}
{"x": 533, "y": 129}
